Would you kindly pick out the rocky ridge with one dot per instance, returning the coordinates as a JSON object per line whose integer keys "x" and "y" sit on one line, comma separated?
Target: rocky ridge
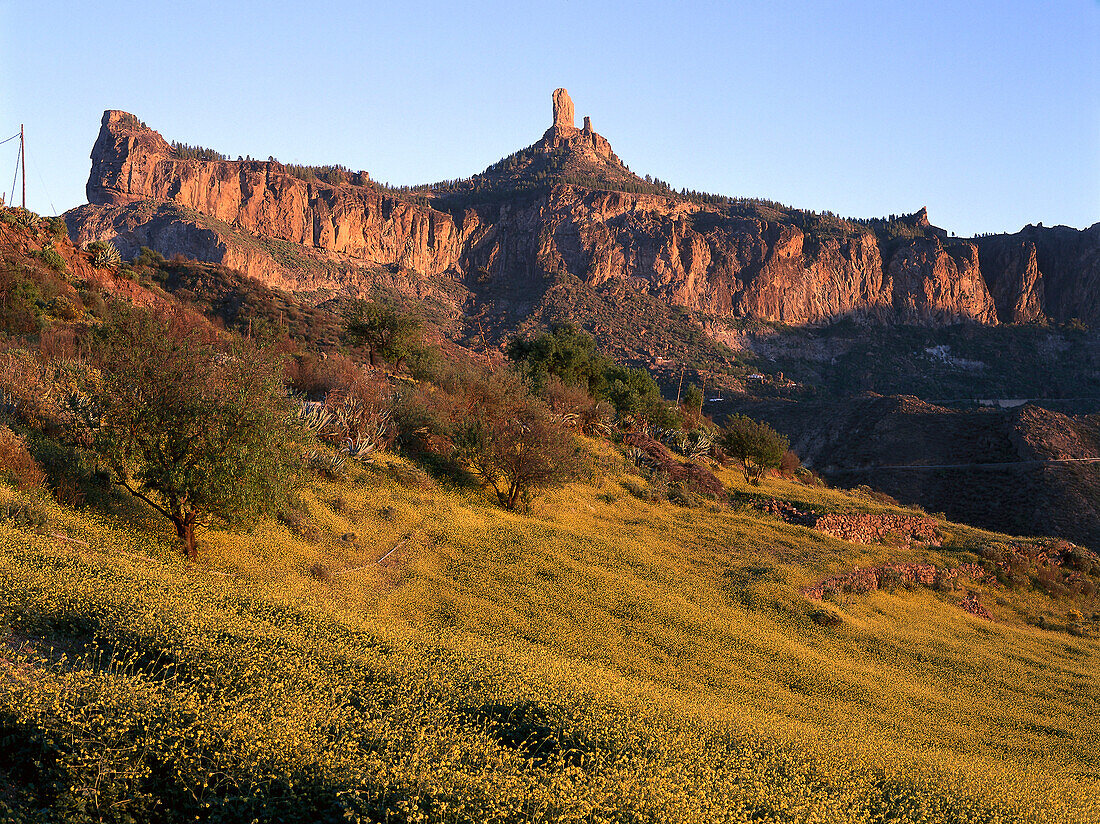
{"x": 568, "y": 206}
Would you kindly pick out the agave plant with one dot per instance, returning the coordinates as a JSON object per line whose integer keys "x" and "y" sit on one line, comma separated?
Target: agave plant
{"x": 360, "y": 450}
{"x": 25, "y": 217}
{"x": 9, "y": 403}
{"x": 700, "y": 443}
{"x": 314, "y": 417}
{"x": 86, "y": 409}
{"x": 693, "y": 444}
{"x": 105, "y": 255}
{"x": 377, "y": 431}
{"x": 569, "y": 419}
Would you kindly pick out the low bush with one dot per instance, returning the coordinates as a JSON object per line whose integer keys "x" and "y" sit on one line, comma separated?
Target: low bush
{"x": 17, "y": 465}
{"x": 315, "y": 374}
{"x": 573, "y": 406}
{"x": 52, "y": 258}
{"x": 409, "y": 476}
{"x": 23, "y": 512}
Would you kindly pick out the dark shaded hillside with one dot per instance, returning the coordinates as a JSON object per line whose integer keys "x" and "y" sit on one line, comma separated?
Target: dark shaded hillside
{"x": 1009, "y": 469}
{"x": 949, "y": 364}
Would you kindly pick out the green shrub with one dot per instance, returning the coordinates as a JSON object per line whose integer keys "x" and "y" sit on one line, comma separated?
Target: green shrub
{"x": 61, "y": 308}
{"x": 52, "y": 258}
{"x": 756, "y": 445}
{"x": 23, "y": 512}
{"x": 571, "y": 356}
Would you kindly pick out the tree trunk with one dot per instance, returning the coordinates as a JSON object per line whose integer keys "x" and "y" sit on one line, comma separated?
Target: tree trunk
{"x": 514, "y": 491}
{"x": 185, "y": 529}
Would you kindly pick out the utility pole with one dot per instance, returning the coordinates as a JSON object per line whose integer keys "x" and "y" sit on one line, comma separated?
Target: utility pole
{"x": 23, "y": 159}
{"x": 681, "y": 386}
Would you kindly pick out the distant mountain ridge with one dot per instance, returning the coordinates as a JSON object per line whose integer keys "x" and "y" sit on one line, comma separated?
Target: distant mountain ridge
{"x": 567, "y": 206}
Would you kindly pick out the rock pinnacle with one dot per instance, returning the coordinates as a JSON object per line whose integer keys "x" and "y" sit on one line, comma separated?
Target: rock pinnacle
{"x": 563, "y": 110}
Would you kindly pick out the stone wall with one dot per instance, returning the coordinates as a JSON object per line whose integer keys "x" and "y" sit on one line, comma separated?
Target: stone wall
{"x": 897, "y": 574}
{"x": 883, "y": 527}
{"x": 859, "y": 527}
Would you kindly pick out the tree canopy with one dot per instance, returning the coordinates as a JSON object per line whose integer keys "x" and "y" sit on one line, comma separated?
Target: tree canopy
{"x": 756, "y": 445}
{"x": 385, "y": 331}
{"x": 571, "y": 355}
{"x": 192, "y": 426}
{"x": 509, "y": 438}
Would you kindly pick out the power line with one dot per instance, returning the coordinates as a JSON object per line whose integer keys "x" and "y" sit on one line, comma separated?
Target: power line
{"x": 15, "y": 177}
{"x": 42, "y": 180}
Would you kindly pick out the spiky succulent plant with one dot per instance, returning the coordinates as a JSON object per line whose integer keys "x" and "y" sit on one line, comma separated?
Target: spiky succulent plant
{"x": 105, "y": 255}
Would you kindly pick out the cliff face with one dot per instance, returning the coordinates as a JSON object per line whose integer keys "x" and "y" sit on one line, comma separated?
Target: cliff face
{"x": 1044, "y": 271}
{"x": 527, "y": 219}
{"x": 132, "y": 164}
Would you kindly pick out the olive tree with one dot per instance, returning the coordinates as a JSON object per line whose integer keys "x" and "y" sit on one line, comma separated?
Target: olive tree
{"x": 193, "y": 426}
{"x": 756, "y": 445}
{"x": 386, "y": 332}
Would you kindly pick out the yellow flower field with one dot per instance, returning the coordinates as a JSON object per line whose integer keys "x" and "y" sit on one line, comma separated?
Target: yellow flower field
{"x": 599, "y": 659}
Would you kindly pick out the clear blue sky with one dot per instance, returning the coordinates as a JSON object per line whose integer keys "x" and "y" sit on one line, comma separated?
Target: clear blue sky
{"x": 987, "y": 113}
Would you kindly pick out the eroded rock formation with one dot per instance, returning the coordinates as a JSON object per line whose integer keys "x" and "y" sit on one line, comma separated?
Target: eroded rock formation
{"x": 568, "y": 205}
{"x": 563, "y": 110}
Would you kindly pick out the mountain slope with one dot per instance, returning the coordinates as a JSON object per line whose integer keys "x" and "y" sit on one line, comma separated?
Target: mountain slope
{"x": 601, "y": 658}
{"x": 1028, "y": 470}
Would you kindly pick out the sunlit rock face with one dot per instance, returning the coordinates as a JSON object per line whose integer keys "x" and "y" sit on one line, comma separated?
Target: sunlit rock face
{"x": 570, "y": 205}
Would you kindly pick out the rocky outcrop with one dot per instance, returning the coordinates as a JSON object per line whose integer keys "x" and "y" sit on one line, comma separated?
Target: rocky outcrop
{"x": 563, "y": 110}
{"x": 1058, "y": 568}
{"x": 1011, "y": 268}
{"x": 566, "y": 205}
{"x": 133, "y": 165}
{"x": 931, "y": 282}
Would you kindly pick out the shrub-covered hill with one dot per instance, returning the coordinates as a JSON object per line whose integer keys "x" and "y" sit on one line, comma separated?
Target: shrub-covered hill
{"x": 396, "y": 650}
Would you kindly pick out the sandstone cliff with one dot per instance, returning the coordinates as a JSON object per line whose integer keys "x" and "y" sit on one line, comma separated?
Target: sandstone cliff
{"x": 567, "y": 205}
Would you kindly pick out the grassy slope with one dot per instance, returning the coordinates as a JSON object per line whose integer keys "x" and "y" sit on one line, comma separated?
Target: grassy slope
{"x": 599, "y": 659}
